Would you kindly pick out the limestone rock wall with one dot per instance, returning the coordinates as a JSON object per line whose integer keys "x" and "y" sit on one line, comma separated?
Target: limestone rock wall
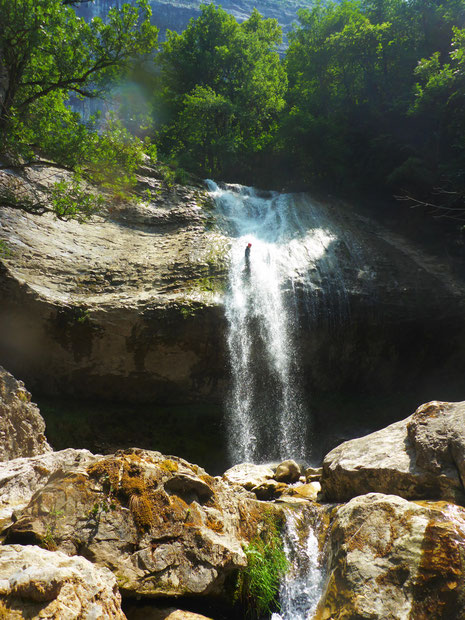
{"x": 22, "y": 427}
{"x": 129, "y": 306}
{"x": 124, "y": 306}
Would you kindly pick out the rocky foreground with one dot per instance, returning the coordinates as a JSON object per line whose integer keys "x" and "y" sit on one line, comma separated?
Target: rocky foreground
{"x": 83, "y": 532}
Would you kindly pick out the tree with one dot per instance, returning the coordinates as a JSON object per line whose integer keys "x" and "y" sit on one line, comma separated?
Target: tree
{"x": 351, "y": 70}
{"x": 438, "y": 105}
{"x": 46, "y": 53}
{"x": 222, "y": 82}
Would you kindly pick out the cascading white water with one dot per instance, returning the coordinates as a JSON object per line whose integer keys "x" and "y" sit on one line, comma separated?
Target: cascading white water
{"x": 302, "y": 585}
{"x": 267, "y": 416}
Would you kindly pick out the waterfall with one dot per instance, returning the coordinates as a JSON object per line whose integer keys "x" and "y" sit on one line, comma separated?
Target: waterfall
{"x": 302, "y": 585}
{"x": 290, "y": 241}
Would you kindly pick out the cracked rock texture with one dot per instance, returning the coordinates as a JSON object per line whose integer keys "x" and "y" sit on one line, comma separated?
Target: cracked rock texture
{"x": 163, "y": 526}
{"x": 36, "y": 583}
{"x": 394, "y": 559}
{"x": 22, "y": 427}
{"x": 129, "y": 305}
{"x": 421, "y": 457}
{"x": 20, "y": 478}
{"x": 124, "y": 306}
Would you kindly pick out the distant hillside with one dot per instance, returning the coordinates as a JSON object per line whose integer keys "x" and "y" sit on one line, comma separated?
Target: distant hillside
{"x": 175, "y": 14}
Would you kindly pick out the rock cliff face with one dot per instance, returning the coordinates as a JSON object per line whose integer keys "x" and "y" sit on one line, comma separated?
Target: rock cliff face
{"x": 129, "y": 305}
{"x": 22, "y": 427}
{"x": 176, "y": 15}
{"x": 123, "y": 307}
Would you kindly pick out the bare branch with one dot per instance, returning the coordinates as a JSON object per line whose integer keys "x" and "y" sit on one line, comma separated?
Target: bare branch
{"x": 453, "y": 208}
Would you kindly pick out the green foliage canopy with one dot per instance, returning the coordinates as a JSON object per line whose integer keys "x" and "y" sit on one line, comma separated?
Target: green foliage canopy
{"x": 46, "y": 53}
{"x": 351, "y": 70}
{"x": 223, "y": 87}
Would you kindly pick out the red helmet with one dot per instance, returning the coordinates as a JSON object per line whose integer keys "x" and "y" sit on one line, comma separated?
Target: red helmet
{"x": 249, "y": 245}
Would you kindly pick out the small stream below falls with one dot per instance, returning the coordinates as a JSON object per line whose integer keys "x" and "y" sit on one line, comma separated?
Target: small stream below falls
{"x": 302, "y": 586}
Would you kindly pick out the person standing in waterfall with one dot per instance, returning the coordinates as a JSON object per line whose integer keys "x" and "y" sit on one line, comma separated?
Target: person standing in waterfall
{"x": 247, "y": 259}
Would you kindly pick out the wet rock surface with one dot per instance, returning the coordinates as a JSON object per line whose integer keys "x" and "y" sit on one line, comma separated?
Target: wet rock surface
{"x": 36, "y": 583}
{"x": 22, "y": 428}
{"x": 129, "y": 305}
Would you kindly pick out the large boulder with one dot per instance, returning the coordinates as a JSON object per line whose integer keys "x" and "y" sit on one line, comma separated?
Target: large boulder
{"x": 417, "y": 458}
{"x": 22, "y": 427}
{"x": 249, "y": 475}
{"x": 21, "y": 478}
{"x": 163, "y": 526}
{"x": 36, "y": 583}
{"x": 390, "y": 558}
{"x": 437, "y": 432}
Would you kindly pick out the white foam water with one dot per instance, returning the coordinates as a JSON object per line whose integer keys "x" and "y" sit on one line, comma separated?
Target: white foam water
{"x": 302, "y": 585}
{"x": 267, "y": 418}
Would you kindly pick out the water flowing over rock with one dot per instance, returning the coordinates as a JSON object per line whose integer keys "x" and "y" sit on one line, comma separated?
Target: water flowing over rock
{"x": 22, "y": 427}
{"x": 130, "y": 306}
{"x": 162, "y": 525}
{"x": 296, "y": 265}
{"x": 36, "y": 583}
{"x": 390, "y": 558}
{"x": 266, "y": 415}
{"x": 302, "y": 585}
{"x": 417, "y": 458}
